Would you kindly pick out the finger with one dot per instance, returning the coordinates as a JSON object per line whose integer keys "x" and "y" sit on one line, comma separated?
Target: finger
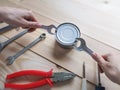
{"x": 25, "y": 27}
{"x": 30, "y": 24}
{"x": 29, "y": 29}
{"x": 100, "y": 69}
{"x": 30, "y": 17}
{"x": 32, "y": 29}
{"x": 98, "y": 59}
{"x": 106, "y": 57}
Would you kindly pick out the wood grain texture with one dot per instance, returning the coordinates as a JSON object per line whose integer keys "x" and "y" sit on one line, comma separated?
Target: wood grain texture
{"x": 94, "y": 17}
{"x": 32, "y": 61}
{"x": 70, "y": 60}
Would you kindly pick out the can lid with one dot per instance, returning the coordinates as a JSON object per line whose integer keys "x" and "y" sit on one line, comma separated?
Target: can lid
{"x": 67, "y": 33}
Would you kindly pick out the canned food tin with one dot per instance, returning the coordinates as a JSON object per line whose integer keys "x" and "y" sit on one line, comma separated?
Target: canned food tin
{"x": 66, "y": 34}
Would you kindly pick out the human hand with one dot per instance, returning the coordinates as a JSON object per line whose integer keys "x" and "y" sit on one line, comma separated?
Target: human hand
{"x": 19, "y": 18}
{"x": 110, "y": 64}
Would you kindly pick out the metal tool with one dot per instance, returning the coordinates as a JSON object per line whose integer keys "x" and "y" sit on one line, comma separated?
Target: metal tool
{"x": 48, "y": 78}
{"x": 84, "y": 81}
{"x": 6, "y": 43}
{"x": 99, "y": 86}
{"x": 49, "y": 28}
{"x": 65, "y": 33}
{"x": 83, "y": 46}
{"x": 7, "y": 28}
{"x": 11, "y": 59}
{"x": 67, "y": 36}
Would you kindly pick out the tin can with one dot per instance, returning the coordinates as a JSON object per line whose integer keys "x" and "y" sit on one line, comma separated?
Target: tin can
{"x": 66, "y": 35}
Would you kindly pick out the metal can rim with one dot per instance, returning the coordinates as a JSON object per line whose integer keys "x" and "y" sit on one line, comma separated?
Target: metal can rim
{"x": 68, "y": 44}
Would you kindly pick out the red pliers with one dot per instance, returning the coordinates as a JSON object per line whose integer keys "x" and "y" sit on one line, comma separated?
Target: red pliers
{"x": 48, "y": 78}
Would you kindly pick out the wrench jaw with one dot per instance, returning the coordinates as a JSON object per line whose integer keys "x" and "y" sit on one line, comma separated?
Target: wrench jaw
{"x": 10, "y": 60}
{"x": 42, "y": 36}
{"x": 49, "y": 28}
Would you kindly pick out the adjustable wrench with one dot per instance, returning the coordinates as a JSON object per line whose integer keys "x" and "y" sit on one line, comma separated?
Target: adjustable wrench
{"x": 11, "y": 59}
{"x": 6, "y": 43}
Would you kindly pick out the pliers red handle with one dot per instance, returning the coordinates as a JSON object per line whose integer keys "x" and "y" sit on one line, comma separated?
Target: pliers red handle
{"x": 49, "y": 78}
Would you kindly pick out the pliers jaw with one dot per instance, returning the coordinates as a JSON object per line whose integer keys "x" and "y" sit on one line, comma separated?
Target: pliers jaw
{"x": 62, "y": 76}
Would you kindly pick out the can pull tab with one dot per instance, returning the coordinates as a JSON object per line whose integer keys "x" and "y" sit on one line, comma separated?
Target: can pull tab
{"x": 82, "y": 46}
{"x": 49, "y": 28}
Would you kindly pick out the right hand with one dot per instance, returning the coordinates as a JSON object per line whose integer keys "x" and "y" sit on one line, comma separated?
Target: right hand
{"x": 110, "y": 64}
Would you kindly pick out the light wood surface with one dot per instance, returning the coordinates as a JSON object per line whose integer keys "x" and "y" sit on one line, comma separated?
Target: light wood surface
{"x": 47, "y": 54}
{"x": 94, "y": 17}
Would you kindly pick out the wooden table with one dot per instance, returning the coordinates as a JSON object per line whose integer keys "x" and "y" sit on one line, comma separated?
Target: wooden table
{"x": 98, "y": 22}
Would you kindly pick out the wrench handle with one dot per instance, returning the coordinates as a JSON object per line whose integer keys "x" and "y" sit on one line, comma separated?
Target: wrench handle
{"x": 6, "y": 43}
{"x": 7, "y": 28}
{"x": 15, "y": 37}
{"x": 11, "y": 59}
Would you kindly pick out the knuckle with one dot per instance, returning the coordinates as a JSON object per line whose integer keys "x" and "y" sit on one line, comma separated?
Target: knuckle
{"x": 110, "y": 54}
{"x": 30, "y": 12}
{"x": 100, "y": 60}
{"x": 24, "y": 24}
{"x": 113, "y": 73}
{"x": 108, "y": 65}
{"x": 104, "y": 63}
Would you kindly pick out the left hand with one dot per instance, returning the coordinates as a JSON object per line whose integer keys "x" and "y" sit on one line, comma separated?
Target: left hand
{"x": 19, "y": 17}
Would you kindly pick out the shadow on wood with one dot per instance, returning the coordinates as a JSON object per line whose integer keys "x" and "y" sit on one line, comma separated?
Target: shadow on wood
{"x": 60, "y": 52}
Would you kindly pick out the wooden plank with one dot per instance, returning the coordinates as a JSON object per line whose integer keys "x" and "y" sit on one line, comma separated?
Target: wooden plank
{"x": 95, "y": 18}
{"x": 110, "y": 7}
